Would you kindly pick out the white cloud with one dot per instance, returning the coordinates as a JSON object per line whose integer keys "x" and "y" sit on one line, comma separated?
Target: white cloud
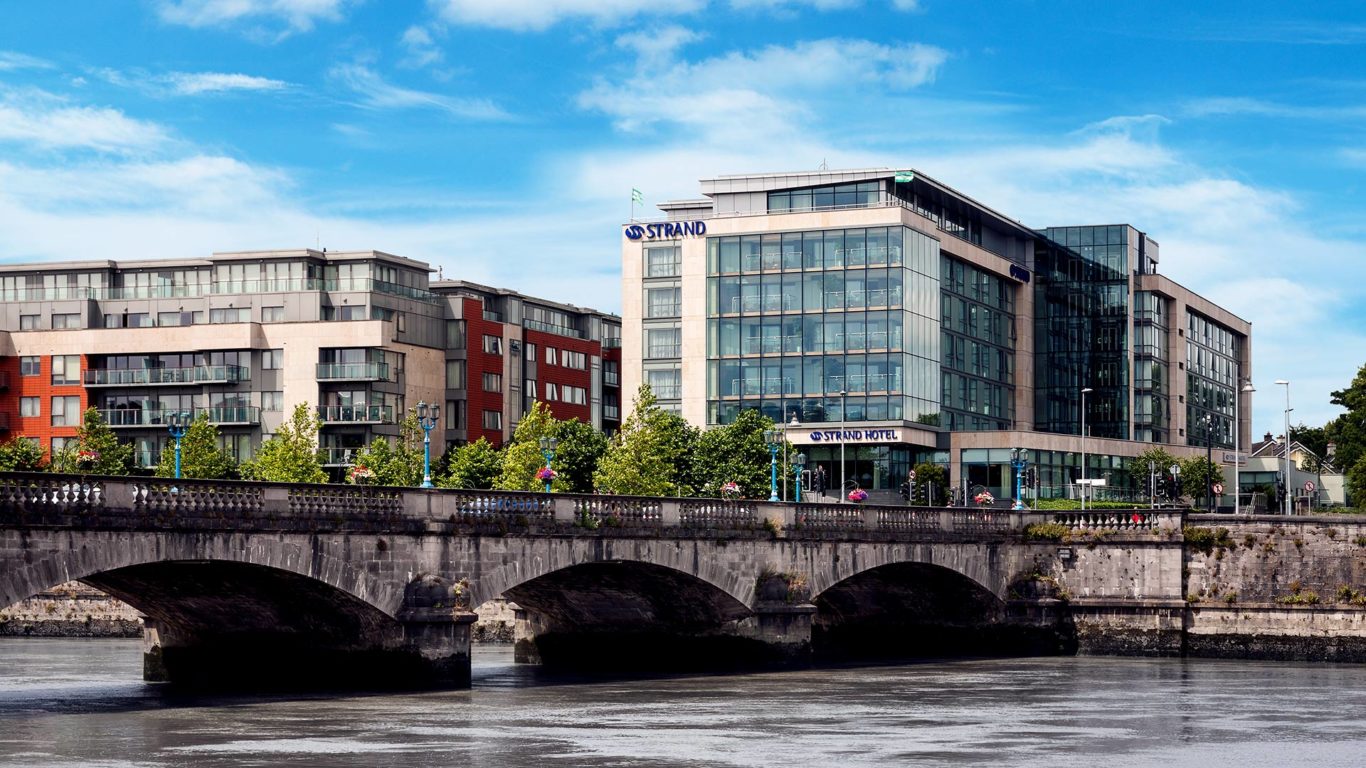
{"x": 820, "y": 5}
{"x": 422, "y": 50}
{"x": 377, "y": 93}
{"x": 10, "y": 60}
{"x": 906, "y": 5}
{"x": 40, "y": 123}
{"x": 657, "y": 46}
{"x": 536, "y": 15}
{"x": 297, "y": 15}
{"x": 759, "y": 95}
{"x": 193, "y": 83}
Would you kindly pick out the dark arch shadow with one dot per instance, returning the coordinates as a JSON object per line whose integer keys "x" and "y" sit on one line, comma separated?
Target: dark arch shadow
{"x": 227, "y": 624}
{"x": 906, "y": 611}
{"x": 626, "y": 616}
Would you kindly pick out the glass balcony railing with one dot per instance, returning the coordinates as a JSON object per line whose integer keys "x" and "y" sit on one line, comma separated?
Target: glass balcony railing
{"x": 611, "y": 342}
{"x": 339, "y": 457}
{"x": 353, "y": 372}
{"x": 356, "y": 414}
{"x": 200, "y": 374}
{"x": 561, "y": 330}
{"x": 161, "y": 417}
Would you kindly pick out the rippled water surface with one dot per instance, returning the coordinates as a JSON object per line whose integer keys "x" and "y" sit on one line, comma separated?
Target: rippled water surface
{"x": 82, "y": 702}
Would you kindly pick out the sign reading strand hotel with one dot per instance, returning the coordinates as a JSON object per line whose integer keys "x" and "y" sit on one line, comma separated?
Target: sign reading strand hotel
{"x": 856, "y": 435}
{"x": 668, "y": 229}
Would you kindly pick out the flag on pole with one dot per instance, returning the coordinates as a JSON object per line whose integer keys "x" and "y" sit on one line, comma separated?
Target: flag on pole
{"x": 636, "y": 197}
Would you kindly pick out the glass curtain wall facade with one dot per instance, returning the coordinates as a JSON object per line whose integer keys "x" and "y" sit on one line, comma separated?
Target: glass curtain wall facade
{"x": 793, "y": 319}
{"x": 1152, "y": 395}
{"x": 1211, "y": 371}
{"x": 978, "y": 325}
{"x": 1081, "y": 330}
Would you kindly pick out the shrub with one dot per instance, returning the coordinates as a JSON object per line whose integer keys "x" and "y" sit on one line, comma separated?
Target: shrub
{"x": 1047, "y": 532}
{"x": 1206, "y": 539}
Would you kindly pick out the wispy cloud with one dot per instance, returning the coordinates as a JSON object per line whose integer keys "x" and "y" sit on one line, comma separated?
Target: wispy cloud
{"x": 1278, "y": 32}
{"x": 375, "y": 92}
{"x": 193, "y": 83}
{"x": 40, "y": 122}
{"x": 537, "y": 15}
{"x": 10, "y": 60}
{"x": 1225, "y": 106}
{"x": 295, "y": 15}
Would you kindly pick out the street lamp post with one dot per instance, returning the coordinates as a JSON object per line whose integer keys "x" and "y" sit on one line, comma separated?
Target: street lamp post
{"x": 548, "y": 446}
{"x": 1209, "y": 462}
{"x": 800, "y": 463}
{"x": 427, "y": 417}
{"x": 1237, "y": 441}
{"x": 1018, "y": 459}
{"x": 177, "y": 429}
{"x": 794, "y": 424}
{"x": 1286, "y": 447}
{"x": 1084, "y": 392}
{"x": 843, "y": 393}
{"x": 774, "y": 438}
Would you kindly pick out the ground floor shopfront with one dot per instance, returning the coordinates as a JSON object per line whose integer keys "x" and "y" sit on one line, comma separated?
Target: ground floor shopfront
{"x": 878, "y": 458}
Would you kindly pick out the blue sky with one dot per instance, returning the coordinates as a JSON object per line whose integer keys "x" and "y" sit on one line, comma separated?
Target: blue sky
{"x": 500, "y": 140}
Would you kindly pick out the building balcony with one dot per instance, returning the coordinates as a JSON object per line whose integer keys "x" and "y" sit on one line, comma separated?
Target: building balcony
{"x": 230, "y": 415}
{"x": 339, "y": 457}
{"x": 200, "y": 374}
{"x": 353, "y": 372}
{"x": 356, "y": 414}
{"x": 559, "y": 330}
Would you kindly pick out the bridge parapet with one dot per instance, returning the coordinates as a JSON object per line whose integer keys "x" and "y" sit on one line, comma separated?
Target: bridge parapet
{"x": 131, "y": 503}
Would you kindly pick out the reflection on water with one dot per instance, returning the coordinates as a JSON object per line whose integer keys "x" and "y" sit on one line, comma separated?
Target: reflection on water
{"x": 81, "y": 702}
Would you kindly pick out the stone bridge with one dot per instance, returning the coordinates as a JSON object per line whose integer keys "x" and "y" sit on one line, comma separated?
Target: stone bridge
{"x": 258, "y": 583}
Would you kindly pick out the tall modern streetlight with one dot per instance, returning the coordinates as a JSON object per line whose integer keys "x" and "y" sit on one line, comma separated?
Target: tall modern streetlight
{"x": 1209, "y": 462}
{"x": 1084, "y": 392}
{"x": 1286, "y": 447}
{"x": 843, "y": 393}
{"x": 1019, "y": 457}
{"x": 548, "y": 446}
{"x": 799, "y": 464}
{"x": 427, "y": 417}
{"x": 177, "y": 430}
{"x": 774, "y": 438}
{"x": 1237, "y": 440}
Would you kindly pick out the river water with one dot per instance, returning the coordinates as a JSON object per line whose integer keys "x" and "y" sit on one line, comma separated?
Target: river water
{"x": 81, "y": 702}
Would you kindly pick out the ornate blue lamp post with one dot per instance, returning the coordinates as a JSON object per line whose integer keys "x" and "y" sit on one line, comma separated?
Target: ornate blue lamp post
{"x": 177, "y": 430}
{"x": 548, "y": 445}
{"x": 427, "y": 417}
{"x": 800, "y": 464}
{"x": 774, "y": 439}
{"x": 1019, "y": 458}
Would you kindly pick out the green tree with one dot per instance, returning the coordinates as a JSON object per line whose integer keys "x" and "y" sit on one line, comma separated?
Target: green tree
{"x": 522, "y": 457}
{"x": 1315, "y": 439}
{"x": 20, "y": 454}
{"x": 94, "y": 437}
{"x": 576, "y": 458}
{"x": 291, "y": 455}
{"x": 736, "y": 453}
{"x": 400, "y": 462}
{"x": 648, "y": 456}
{"x": 1197, "y": 475}
{"x": 1348, "y": 433}
{"x": 200, "y": 453}
{"x": 473, "y": 465}
{"x": 927, "y": 473}
{"x": 1138, "y": 467}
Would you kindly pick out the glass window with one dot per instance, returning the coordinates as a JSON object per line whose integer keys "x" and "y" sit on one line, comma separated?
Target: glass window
{"x": 493, "y": 420}
{"x": 66, "y": 411}
{"x": 30, "y": 365}
{"x": 493, "y": 382}
{"x": 663, "y": 342}
{"x": 273, "y": 400}
{"x": 663, "y": 302}
{"x": 493, "y": 345}
{"x": 272, "y": 359}
{"x": 66, "y": 369}
{"x": 30, "y": 406}
{"x": 575, "y": 360}
{"x": 455, "y": 334}
{"x": 71, "y": 320}
{"x": 272, "y": 314}
{"x": 663, "y": 261}
{"x": 455, "y": 374}
{"x": 552, "y": 356}
{"x": 28, "y": 322}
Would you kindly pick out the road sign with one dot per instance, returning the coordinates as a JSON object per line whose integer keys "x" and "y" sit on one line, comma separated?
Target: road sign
{"x": 1175, "y": 469}
{"x": 911, "y": 474}
{"x": 1309, "y": 485}
{"x": 1218, "y": 489}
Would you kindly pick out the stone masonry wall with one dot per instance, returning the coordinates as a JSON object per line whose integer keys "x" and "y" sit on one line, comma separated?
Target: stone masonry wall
{"x": 70, "y": 610}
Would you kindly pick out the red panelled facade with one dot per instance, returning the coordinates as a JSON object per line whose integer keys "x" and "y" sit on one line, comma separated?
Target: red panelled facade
{"x": 479, "y": 362}
{"x": 561, "y": 375}
{"x": 15, "y": 386}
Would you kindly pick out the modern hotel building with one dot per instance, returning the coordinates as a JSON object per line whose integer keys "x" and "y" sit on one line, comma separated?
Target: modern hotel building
{"x": 920, "y": 325}
{"x": 243, "y": 337}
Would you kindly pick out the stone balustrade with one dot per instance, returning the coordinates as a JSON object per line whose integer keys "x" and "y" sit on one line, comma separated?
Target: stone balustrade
{"x": 53, "y": 500}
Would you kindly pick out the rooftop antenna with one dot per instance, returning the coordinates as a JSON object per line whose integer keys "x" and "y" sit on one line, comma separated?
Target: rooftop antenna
{"x": 823, "y": 166}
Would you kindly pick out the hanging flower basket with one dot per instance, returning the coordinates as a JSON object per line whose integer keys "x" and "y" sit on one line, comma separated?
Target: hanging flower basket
{"x": 360, "y": 475}
{"x": 86, "y": 459}
{"x": 546, "y": 474}
{"x": 730, "y": 490}
{"x": 984, "y": 499}
{"x": 858, "y": 495}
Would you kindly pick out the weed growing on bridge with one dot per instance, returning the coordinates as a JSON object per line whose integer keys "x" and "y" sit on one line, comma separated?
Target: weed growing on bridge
{"x": 1348, "y": 595}
{"x": 1249, "y": 540}
{"x": 1299, "y": 596}
{"x": 788, "y": 586}
{"x": 1331, "y": 533}
{"x": 1206, "y": 539}
{"x": 1360, "y": 541}
{"x": 1047, "y": 531}
{"x": 1230, "y": 597}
